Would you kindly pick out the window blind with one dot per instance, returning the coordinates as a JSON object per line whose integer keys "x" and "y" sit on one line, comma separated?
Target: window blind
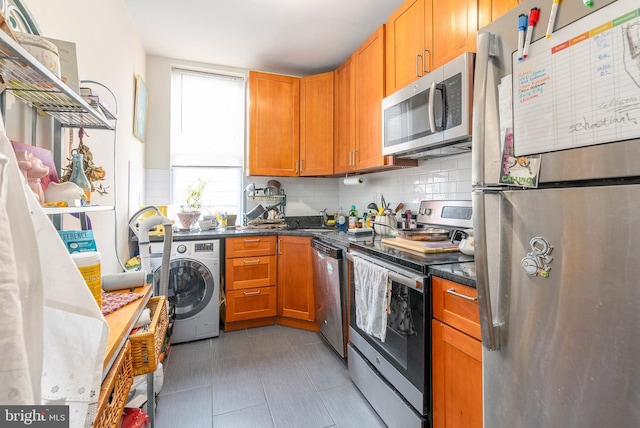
{"x": 207, "y": 119}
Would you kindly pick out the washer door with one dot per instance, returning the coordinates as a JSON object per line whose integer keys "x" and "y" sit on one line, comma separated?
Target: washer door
{"x": 190, "y": 286}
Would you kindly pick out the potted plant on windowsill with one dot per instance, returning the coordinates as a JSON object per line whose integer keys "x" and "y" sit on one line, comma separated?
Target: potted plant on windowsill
{"x": 190, "y": 210}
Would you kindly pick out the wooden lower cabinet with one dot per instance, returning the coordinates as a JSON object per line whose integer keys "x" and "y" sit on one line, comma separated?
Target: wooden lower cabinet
{"x": 251, "y": 303}
{"x": 295, "y": 278}
{"x": 250, "y": 282}
{"x": 456, "y": 348}
{"x": 457, "y": 378}
{"x": 269, "y": 280}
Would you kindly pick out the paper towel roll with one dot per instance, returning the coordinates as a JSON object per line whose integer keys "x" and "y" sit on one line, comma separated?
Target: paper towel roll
{"x": 352, "y": 181}
{"x": 120, "y": 281}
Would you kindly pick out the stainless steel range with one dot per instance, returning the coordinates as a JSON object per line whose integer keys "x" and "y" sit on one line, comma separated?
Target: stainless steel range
{"x": 390, "y": 361}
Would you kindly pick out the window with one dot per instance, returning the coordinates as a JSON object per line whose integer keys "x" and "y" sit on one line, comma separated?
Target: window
{"x": 207, "y": 137}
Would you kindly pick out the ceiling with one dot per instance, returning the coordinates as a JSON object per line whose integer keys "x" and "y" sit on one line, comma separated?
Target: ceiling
{"x": 295, "y": 37}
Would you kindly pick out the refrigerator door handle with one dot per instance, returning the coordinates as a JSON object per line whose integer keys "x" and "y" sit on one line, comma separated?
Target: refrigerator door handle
{"x": 488, "y": 328}
{"x": 483, "y": 56}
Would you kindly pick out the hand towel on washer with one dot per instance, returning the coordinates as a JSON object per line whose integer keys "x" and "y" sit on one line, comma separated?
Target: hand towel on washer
{"x": 372, "y": 297}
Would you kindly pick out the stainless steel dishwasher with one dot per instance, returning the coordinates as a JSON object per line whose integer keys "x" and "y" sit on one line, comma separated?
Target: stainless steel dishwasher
{"x": 330, "y": 292}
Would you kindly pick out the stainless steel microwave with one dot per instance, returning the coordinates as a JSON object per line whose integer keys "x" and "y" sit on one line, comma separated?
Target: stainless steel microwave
{"x": 432, "y": 113}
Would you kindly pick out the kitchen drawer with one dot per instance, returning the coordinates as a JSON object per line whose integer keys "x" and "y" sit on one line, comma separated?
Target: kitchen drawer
{"x": 251, "y": 246}
{"x": 251, "y": 303}
{"x": 459, "y": 312}
{"x": 250, "y": 272}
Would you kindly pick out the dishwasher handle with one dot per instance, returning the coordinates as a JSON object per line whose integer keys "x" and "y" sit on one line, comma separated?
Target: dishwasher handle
{"x": 326, "y": 249}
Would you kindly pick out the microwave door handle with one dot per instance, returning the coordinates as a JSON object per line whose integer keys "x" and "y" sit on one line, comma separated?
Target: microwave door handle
{"x": 432, "y": 116}
{"x": 443, "y": 123}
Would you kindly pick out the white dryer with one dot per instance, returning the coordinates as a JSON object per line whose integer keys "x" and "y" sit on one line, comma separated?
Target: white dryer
{"x": 194, "y": 287}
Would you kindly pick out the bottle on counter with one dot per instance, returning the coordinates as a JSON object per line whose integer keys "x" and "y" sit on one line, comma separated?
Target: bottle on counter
{"x": 78, "y": 177}
{"x": 353, "y": 217}
{"x": 342, "y": 222}
{"x": 366, "y": 220}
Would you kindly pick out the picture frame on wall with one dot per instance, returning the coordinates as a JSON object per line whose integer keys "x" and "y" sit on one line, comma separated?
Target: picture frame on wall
{"x": 140, "y": 110}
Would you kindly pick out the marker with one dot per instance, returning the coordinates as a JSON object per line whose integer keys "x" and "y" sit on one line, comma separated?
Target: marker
{"x": 587, "y": 3}
{"x": 522, "y": 26}
{"x": 533, "y": 20}
{"x": 552, "y": 18}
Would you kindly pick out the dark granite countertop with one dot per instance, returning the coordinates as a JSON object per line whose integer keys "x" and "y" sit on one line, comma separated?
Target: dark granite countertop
{"x": 453, "y": 266}
{"x": 463, "y": 273}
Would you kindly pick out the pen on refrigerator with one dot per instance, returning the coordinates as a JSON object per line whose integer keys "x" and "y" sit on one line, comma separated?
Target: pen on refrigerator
{"x": 552, "y": 17}
{"x": 533, "y": 20}
{"x": 587, "y": 3}
{"x": 522, "y": 26}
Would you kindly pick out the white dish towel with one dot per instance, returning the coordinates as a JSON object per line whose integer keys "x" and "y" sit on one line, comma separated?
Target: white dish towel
{"x": 372, "y": 293}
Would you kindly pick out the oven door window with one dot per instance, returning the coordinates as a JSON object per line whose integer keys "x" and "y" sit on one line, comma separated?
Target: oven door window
{"x": 404, "y": 345}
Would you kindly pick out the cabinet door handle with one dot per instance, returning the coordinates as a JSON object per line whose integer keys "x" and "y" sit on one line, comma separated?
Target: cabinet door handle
{"x": 424, "y": 60}
{"x": 279, "y": 241}
{"x": 296, "y": 166}
{"x": 453, "y": 291}
{"x": 301, "y": 163}
{"x": 418, "y": 64}
{"x": 351, "y": 158}
{"x": 251, "y": 293}
{"x": 248, "y": 241}
{"x": 355, "y": 161}
{"x": 251, "y": 262}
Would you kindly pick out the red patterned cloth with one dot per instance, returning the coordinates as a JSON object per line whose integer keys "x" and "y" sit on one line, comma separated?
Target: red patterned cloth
{"x": 113, "y": 301}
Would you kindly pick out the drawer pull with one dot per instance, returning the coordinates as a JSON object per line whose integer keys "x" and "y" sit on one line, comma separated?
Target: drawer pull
{"x": 453, "y": 291}
{"x": 251, "y": 293}
{"x": 246, "y": 241}
{"x": 251, "y": 262}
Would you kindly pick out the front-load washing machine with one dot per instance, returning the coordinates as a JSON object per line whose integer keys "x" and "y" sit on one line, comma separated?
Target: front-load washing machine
{"x": 194, "y": 287}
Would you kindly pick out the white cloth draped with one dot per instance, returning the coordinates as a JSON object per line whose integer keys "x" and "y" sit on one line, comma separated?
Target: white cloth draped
{"x": 54, "y": 335}
{"x": 372, "y": 291}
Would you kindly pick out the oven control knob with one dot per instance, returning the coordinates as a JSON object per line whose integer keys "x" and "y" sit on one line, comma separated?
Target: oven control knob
{"x": 181, "y": 249}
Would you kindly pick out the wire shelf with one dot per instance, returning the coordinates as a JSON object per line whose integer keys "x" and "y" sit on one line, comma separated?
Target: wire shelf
{"x": 33, "y": 83}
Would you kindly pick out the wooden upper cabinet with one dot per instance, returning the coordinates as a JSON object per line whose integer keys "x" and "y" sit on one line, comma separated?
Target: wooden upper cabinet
{"x": 369, "y": 77}
{"x": 454, "y": 24}
{"x": 422, "y": 36}
{"x": 405, "y": 47}
{"x": 316, "y": 124}
{"x": 344, "y": 140}
{"x": 274, "y": 118}
{"x": 490, "y": 10}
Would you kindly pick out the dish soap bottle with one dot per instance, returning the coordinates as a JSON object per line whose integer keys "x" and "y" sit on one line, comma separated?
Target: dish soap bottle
{"x": 353, "y": 217}
{"x": 341, "y": 221}
{"x": 78, "y": 177}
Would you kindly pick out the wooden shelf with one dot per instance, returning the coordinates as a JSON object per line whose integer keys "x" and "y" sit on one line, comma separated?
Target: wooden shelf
{"x": 120, "y": 323}
{"x": 30, "y": 81}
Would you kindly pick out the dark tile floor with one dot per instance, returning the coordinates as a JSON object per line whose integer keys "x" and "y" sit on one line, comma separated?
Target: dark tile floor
{"x": 270, "y": 376}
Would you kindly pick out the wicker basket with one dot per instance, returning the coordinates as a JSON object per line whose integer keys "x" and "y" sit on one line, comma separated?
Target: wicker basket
{"x": 146, "y": 345}
{"x": 114, "y": 391}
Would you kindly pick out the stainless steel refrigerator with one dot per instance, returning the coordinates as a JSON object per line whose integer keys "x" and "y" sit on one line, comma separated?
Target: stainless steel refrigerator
{"x": 558, "y": 265}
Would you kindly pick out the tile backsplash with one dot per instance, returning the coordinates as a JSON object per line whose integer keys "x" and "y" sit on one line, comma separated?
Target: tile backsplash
{"x": 439, "y": 178}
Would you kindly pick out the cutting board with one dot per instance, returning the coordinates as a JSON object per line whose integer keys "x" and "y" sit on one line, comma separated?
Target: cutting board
{"x": 421, "y": 246}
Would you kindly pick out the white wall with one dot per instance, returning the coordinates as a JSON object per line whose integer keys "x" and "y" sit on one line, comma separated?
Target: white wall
{"x": 109, "y": 50}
